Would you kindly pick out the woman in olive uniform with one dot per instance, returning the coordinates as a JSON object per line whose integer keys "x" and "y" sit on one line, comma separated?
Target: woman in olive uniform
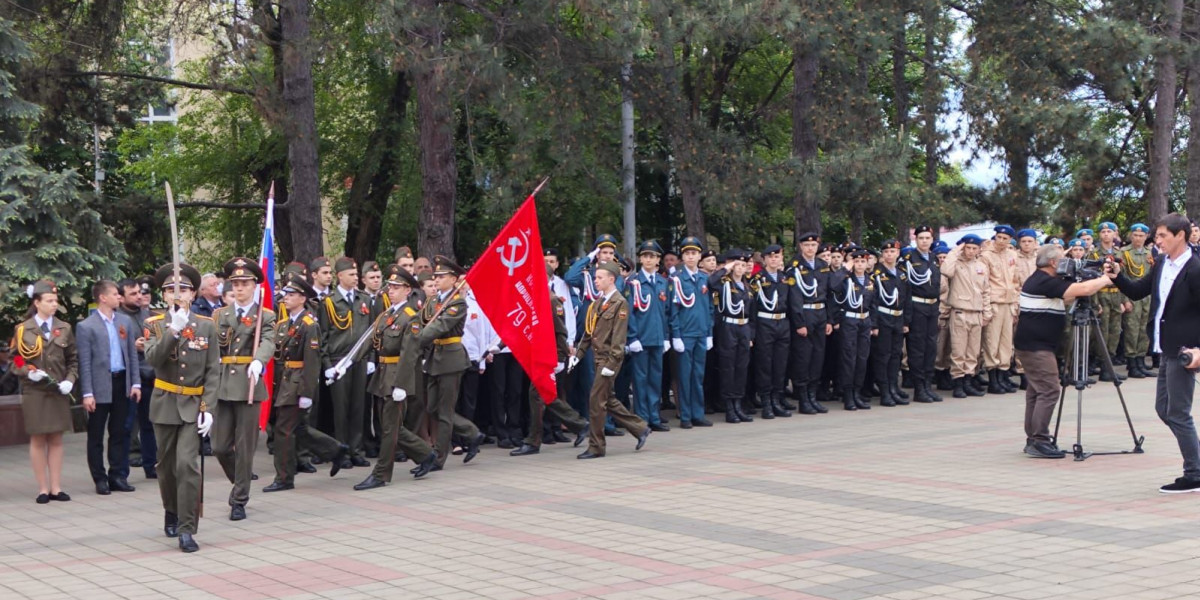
{"x": 46, "y": 359}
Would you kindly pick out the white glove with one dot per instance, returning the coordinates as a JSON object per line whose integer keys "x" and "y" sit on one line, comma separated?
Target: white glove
{"x": 37, "y": 375}
{"x": 607, "y": 372}
{"x": 636, "y": 346}
{"x": 666, "y": 348}
{"x": 204, "y": 423}
{"x": 593, "y": 253}
{"x": 574, "y": 360}
{"x": 677, "y": 345}
{"x": 370, "y": 368}
{"x": 558, "y": 368}
{"x": 179, "y": 320}
{"x": 708, "y": 343}
{"x": 330, "y": 373}
{"x": 340, "y": 372}
{"x": 398, "y": 394}
{"x": 305, "y": 403}
{"x": 65, "y": 387}
{"x": 254, "y": 371}
{"x": 494, "y": 350}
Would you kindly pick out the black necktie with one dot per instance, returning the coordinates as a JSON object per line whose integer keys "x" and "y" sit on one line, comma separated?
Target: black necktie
{"x": 240, "y": 314}
{"x": 46, "y": 329}
{"x": 350, "y": 299}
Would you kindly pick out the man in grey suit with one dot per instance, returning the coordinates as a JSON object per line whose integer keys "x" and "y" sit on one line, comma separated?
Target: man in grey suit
{"x": 109, "y": 380}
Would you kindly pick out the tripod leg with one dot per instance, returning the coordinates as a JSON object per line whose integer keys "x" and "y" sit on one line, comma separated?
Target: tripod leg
{"x": 1062, "y": 397}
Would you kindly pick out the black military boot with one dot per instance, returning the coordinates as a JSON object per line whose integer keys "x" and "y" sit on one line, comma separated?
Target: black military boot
{"x": 778, "y": 407}
{"x": 738, "y": 405}
{"x": 979, "y": 380}
{"x": 1006, "y": 380}
{"x": 751, "y": 405}
{"x": 1024, "y": 382}
{"x": 861, "y": 403}
{"x": 970, "y": 387}
{"x": 768, "y": 407}
{"x": 993, "y": 386}
{"x": 885, "y": 395}
{"x": 782, "y": 397}
{"x": 848, "y": 400}
{"x": 960, "y": 390}
{"x": 919, "y": 394}
{"x": 731, "y": 414}
{"x": 813, "y": 404}
{"x": 868, "y": 390}
{"x": 943, "y": 380}
{"x": 930, "y": 394}
{"x": 1134, "y": 366}
{"x": 907, "y": 380}
{"x": 898, "y": 392}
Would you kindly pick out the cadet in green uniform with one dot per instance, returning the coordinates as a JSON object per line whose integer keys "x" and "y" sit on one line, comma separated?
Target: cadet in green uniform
{"x": 1137, "y": 261}
{"x": 445, "y": 359}
{"x": 1110, "y": 300}
{"x": 239, "y": 326}
{"x": 604, "y": 330}
{"x": 559, "y": 407}
{"x": 298, "y": 362}
{"x": 183, "y": 350}
{"x": 345, "y": 316}
{"x": 395, "y": 380}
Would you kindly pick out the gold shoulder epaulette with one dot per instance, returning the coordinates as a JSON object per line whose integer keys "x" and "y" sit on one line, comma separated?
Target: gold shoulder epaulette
{"x": 154, "y": 318}
{"x": 308, "y": 320}
{"x": 203, "y": 318}
{"x": 408, "y": 310}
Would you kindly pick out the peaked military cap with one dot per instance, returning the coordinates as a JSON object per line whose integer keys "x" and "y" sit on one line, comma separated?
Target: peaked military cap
{"x": 650, "y": 247}
{"x": 691, "y": 242}
{"x": 188, "y": 276}
{"x": 243, "y": 268}
{"x": 297, "y": 285}
{"x": 810, "y": 236}
{"x": 397, "y": 275}
{"x": 444, "y": 266}
{"x": 606, "y": 239}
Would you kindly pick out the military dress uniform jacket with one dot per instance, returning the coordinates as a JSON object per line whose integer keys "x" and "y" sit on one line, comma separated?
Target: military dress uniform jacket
{"x": 924, "y": 279}
{"x": 561, "y": 349}
{"x": 187, "y": 369}
{"x": 808, "y": 293}
{"x": 606, "y": 327}
{"x": 444, "y": 335}
{"x": 691, "y": 306}
{"x": 236, "y": 339}
{"x": 892, "y": 293}
{"x": 648, "y": 321}
{"x": 770, "y": 297}
{"x": 298, "y": 359}
{"x": 853, "y": 298}
{"x": 387, "y": 340}
{"x": 732, "y": 306}
{"x": 410, "y": 348}
{"x": 342, "y": 323}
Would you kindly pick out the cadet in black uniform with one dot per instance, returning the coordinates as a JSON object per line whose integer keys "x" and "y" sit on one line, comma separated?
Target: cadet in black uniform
{"x": 920, "y": 268}
{"x": 772, "y": 334}
{"x": 854, "y": 293}
{"x": 892, "y": 289}
{"x": 733, "y": 332}
{"x": 808, "y": 288}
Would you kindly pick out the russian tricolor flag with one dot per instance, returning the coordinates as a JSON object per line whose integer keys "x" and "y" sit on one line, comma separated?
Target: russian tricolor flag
{"x": 266, "y": 295}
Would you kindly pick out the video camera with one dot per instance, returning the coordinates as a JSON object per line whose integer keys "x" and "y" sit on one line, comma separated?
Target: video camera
{"x": 1079, "y": 269}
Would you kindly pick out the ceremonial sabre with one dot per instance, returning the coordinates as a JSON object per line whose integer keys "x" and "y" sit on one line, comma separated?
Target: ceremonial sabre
{"x": 175, "y": 263}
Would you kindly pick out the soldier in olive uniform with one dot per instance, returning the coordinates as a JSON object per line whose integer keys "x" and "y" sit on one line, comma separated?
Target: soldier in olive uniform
{"x": 559, "y": 408}
{"x": 605, "y": 326}
{"x": 239, "y": 326}
{"x": 298, "y": 362}
{"x": 1137, "y": 261}
{"x": 445, "y": 359}
{"x": 183, "y": 350}
{"x": 395, "y": 380}
{"x": 345, "y": 316}
{"x": 1110, "y": 300}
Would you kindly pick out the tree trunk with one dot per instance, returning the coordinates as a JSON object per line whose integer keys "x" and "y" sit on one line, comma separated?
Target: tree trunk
{"x": 901, "y": 92}
{"x": 678, "y": 135}
{"x": 628, "y": 183}
{"x": 300, "y": 127}
{"x": 807, "y": 202}
{"x": 1017, "y": 157}
{"x": 1164, "y": 113}
{"x": 376, "y": 176}
{"x": 439, "y": 171}
{"x": 1193, "y": 95}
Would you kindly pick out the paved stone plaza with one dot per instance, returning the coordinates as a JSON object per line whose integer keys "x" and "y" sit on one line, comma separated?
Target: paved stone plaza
{"x": 917, "y": 502}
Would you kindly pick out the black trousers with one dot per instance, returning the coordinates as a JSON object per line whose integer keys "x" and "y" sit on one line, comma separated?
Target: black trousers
{"x": 113, "y": 417}
{"x": 885, "y": 349}
{"x": 808, "y": 352}
{"x": 922, "y": 340}
{"x": 771, "y": 342}
{"x": 855, "y": 337}
{"x": 506, "y": 386}
{"x": 732, "y": 345}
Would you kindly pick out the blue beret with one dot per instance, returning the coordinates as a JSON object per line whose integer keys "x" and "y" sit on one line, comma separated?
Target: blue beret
{"x": 1026, "y": 233}
{"x": 1140, "y": 227}
{"x": 1076, "y": 243}
{"x": 1108, "y": 225}
{"x": 941, "y": 248}
{"x": 970, "y": 238}
{"x": 1055, "y": 241}
{"x": 1083, "y": 232}
{"x": 1007, "y": 229}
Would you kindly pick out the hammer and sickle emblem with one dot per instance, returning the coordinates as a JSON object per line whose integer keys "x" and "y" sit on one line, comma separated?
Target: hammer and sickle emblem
{"x": 511, "y": 259}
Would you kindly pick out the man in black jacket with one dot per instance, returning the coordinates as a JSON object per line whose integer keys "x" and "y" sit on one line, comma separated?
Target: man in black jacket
{"x": 1174, "y": 290}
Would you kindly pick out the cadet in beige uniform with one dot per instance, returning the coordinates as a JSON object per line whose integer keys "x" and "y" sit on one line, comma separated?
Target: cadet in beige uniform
{"x": 183, "y": 350}
{"x": 968, "y": 299}
{"x": 47, "y": 347}
{"x": 605, "y": 328}
{"x": 1027, "y": 247}
{"x": 235, "y": 435}
{"x": 395, "y": 380}
{"x": 445, "y": 360}
{"x": 1004, "y": 287}
{"x": 298, "y": 362}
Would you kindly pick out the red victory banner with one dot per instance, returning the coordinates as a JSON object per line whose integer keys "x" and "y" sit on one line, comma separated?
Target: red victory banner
{"x": 514, "y": 294}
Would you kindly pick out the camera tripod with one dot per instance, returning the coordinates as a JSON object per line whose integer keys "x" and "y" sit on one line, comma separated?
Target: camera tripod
{"x": 1084, "y": 320}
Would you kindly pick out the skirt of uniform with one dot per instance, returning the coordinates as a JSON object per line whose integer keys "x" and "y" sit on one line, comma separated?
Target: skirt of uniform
{"x": 45, "y": 411}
